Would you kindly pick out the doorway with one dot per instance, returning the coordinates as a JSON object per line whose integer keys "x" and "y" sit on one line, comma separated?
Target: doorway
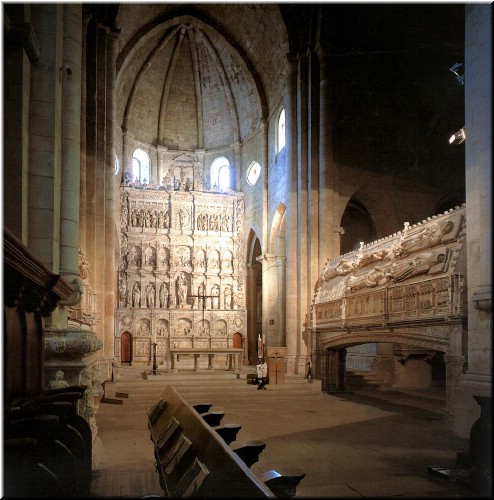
{"x": 126, "y": 348}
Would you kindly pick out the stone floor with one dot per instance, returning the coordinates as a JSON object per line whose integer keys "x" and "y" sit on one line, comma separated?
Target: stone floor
{"x": 365, "y": 443}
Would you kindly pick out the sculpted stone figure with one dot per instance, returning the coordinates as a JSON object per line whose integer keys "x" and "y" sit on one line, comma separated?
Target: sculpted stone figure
{"x": 215, "y": 297}
{"x": 213, "y": 260}
{"x": 123, "y": 289}
{"x": 182, "y": 286}
{"x": 143, "y": 328}
{"x": 201, "y": 292}
{"x": 430, "y": 236}
{"x": 148, "y": 255}
{"x": 58, "y": 382}
{"x": 151, "y": 294}
{"x": 154, "y": 218}
{"x": 376, "y": 276}
{"x": 136, "y": 296}
{"x": 84, "y": 271}
{"x": 420, "y": 264}
{"x": 163, "y": 295}
{"x": 163, "y": 257}
{"x": 136, "y": 255}
{"x": 228, "y": 297}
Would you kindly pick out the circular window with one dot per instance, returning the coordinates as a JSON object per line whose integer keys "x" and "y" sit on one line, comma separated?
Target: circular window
{"x": 253, "y": 173}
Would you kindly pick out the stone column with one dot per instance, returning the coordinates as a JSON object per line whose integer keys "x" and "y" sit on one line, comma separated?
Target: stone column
{"x": 318, "y": 363}
{"x": 251, "y": 317}
{"x": 111, "y": 189}
{"x": 23, "y": 51}
{"x": 128, "y": 149}
{"x": 477, "y": 381}
{"x": 201, "y": 157}
{"x": 235, "y": 183}
{"x": 83, "y": 168}
{"x": 303, "y": 210}
{"x": 313, "y": 169}
{"x": 74, "y": 352}
{"x": 292, "y": 233}
{"x": 328, "y": 180}
{"x": 454, "y": 369}
{"x": 271, "y": 300}
{"x": 71, "y": 159}
{"x": 162, "y": 169}
{"x": 281, "y": 267}
{"x": 44, "y": 130}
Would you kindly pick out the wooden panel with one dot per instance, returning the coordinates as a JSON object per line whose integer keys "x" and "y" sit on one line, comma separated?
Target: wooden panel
{"x": 221, "y": 473}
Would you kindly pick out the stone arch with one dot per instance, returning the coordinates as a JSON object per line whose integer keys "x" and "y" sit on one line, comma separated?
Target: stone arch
{"x": 254, "y": 284}
{"x": 252, "y": 241}
{"x": 415, "y": 337}
{"x": 385, "y": 222}
{"x": 450, "y": 200}
{"x": 237, "y": 340}
{"x": 277, "y": 235}
{"x": 358, "y": 226}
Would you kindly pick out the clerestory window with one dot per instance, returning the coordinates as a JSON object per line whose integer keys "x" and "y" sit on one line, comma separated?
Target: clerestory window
{"x": 141, "y": 166}
{"x": 281, "y": 131}
{"x": 220, "y": 174}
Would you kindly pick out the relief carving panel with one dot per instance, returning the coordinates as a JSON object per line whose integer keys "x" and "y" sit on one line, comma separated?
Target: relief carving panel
{"x": 181, "y": 262}
{"x": 413, "y": 275}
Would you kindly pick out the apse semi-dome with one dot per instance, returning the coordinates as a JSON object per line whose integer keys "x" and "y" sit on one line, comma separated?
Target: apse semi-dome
{"x": 185, "y": 86}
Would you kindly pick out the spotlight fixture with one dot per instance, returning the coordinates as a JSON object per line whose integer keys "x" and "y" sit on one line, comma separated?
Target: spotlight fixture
{"x": 455, "y": 69}
{"x": 458, "y": 137}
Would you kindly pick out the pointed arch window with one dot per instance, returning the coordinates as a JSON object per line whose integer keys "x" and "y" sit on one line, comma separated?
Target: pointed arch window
{"x": 281, "y": 131}
{"x": 220, "y": 174}
{"x": 253, "y": 173}
{"x": 141, "y": 166}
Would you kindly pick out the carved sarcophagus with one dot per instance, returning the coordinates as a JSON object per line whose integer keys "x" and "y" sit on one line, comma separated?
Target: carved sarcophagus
{"x": 415, "y": 275}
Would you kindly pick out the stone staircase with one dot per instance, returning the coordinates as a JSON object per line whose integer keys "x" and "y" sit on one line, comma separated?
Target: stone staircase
{"x": 218, "y": 387}
{"x": 356, "y": 379}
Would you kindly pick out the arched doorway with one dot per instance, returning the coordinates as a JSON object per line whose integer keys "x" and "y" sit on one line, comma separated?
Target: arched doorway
{"x": 126, "y": 348}
{"x": 237, "y": 340}
{"x": 254, "y": 296}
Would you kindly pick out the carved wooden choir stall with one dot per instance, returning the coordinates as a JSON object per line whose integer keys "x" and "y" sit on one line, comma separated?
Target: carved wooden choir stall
{"x": 47, "y": 444}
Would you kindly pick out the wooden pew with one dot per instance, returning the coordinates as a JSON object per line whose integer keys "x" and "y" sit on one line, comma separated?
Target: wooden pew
{"x": 283, "y": 482}
{"x": 49, "y": 446}
{"x": 228, "y": 432}
{"x": 249, "y": 451}
{"x": 192, "y": 459}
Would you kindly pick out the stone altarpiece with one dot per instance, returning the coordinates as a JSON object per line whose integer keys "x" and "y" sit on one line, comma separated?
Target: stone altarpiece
{"x": 181, "y": 276}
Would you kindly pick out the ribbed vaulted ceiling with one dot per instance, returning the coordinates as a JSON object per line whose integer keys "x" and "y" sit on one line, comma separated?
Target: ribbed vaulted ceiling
{"x": 183, "y": 85}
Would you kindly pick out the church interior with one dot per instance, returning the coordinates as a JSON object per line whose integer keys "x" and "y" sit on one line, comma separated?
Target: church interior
{"x": 199, "y": 187}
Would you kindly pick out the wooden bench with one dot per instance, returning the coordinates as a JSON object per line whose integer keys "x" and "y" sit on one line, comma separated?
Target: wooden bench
{"x": 283, "y": 482}
{"x": 48, "y": 446}
{"x": 191, "y": 457}
{"x": 194, "y": 459}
